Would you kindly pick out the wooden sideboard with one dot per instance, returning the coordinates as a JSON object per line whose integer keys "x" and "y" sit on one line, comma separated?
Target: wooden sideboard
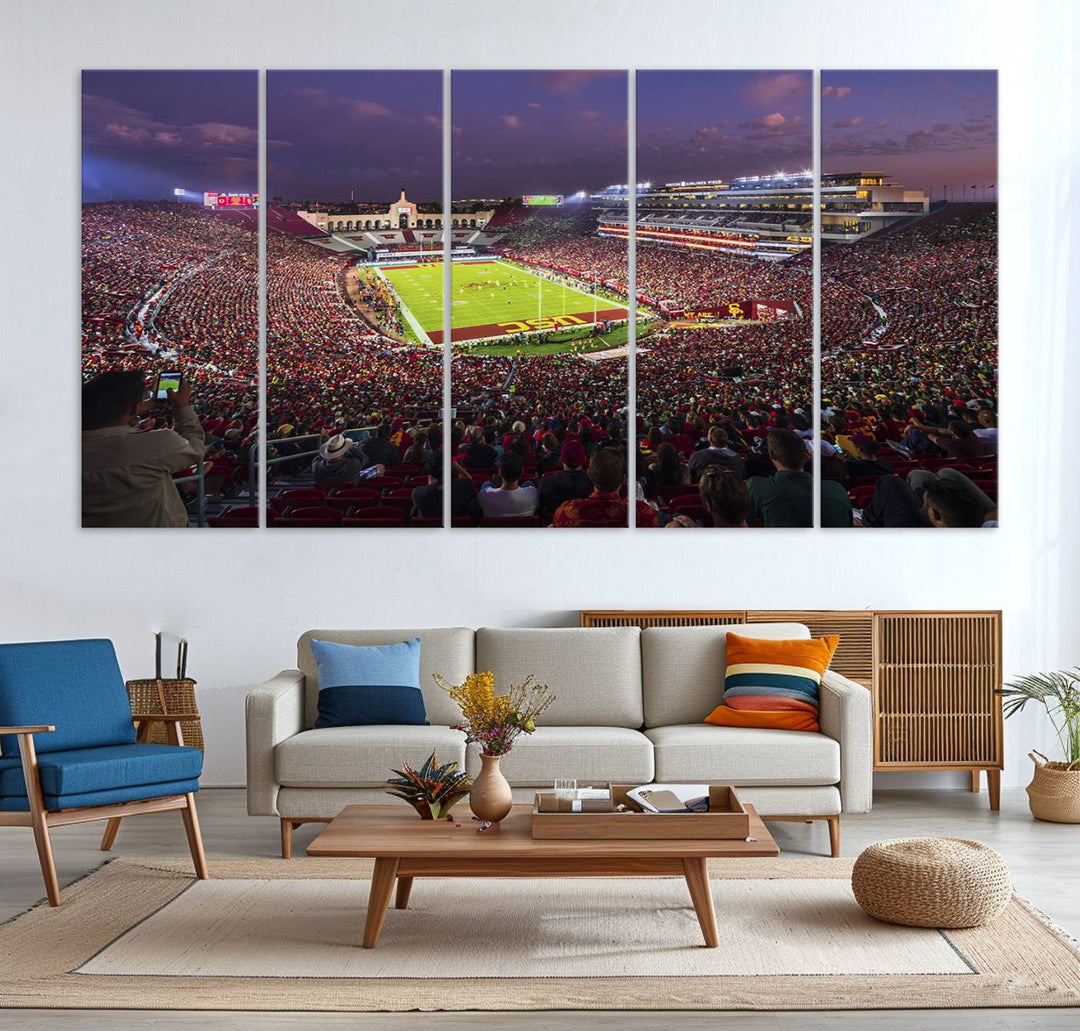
{"x": 934, "y": 676}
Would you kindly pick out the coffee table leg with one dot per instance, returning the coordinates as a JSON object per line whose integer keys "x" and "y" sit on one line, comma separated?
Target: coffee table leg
{"x": 697, "y": 880}
{"x": 404, "y": 887}
{"x": 382, "y": 885}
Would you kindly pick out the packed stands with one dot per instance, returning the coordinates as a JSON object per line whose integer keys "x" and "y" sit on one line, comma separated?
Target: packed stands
{"x": 909, "y": 347}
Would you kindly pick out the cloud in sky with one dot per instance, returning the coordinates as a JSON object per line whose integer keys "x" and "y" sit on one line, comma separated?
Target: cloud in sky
{"x": 722, "y": 124}
{"x": 924, "y": 128}
{"x": 146, "y": 132}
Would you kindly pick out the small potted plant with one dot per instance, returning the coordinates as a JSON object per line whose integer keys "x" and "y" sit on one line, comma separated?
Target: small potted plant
{"x": 493, "y": 722}
{"x": 433, "y": 790}
{"x": 1054, "y": 792}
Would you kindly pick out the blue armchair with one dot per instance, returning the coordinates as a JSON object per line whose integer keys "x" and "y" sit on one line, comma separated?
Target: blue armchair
{"x": 68, "y": 749}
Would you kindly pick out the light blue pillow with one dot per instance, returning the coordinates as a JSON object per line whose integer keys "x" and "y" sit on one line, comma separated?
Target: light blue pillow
{"x": 361, "y": 685}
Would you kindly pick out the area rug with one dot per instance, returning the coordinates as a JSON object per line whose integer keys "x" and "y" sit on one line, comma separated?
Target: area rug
{"x": 268, "y": 934}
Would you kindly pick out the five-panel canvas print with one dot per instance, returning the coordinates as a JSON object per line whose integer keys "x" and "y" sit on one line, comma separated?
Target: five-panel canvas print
{"x": 600, "y": 352}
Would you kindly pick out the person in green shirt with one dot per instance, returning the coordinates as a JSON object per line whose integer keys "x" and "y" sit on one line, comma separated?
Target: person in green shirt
{"x": 784, "y": 499}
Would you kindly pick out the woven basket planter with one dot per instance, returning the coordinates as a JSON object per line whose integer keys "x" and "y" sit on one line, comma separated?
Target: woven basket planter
{"x": 1054, "y": 791}
{"x": 167, "y": 698}
{"x": 932, "y": 882}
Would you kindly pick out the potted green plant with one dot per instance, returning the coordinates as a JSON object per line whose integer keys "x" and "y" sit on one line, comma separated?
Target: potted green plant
{"x": 432, "y": 790}
{"x": 1054, "y": 792}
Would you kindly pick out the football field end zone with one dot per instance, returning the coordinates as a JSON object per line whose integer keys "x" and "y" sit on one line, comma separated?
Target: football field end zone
{"x": 494, "y": 330}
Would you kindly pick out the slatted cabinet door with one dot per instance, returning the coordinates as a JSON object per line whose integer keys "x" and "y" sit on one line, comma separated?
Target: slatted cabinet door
{"x": 935, "y": 700}
{"x": 643, "y": 619}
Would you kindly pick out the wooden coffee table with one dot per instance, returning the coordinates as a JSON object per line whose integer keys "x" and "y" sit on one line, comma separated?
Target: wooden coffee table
{"x": 404, "y": 846}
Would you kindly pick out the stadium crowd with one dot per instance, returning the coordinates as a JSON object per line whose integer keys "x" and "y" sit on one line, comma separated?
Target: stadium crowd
{"x": 909, "y": 356}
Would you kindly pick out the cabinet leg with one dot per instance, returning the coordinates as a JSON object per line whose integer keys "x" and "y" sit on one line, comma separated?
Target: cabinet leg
{"x": 975, "y": 781}
{"x": 993, "y": 787}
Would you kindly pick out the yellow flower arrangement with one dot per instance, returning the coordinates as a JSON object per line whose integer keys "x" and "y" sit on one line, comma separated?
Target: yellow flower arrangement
{"x": 495, "y": 720}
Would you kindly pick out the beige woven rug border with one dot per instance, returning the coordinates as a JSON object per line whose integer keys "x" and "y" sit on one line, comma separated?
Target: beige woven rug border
{"x": 1021, "y": 959}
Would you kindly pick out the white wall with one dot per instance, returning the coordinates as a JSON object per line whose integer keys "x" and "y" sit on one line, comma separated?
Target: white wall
{"x": 242, "y": 597}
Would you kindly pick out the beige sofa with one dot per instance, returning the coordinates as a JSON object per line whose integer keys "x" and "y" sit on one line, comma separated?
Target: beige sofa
{"x": 629, "y": 707}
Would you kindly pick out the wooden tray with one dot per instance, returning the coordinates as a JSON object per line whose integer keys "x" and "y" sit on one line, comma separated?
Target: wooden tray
{"x": 726, "y": 819}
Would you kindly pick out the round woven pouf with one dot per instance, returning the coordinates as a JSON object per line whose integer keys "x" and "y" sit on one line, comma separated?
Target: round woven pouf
{"x": 932, "y": 882}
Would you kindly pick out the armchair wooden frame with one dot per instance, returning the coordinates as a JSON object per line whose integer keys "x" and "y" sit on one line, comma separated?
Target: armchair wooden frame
{"x": 41, "y": 819}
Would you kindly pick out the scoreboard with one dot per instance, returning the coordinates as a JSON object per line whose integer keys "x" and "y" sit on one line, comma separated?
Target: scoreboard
{"x": 542, "y": 200}
{"x": 230, "y": 200}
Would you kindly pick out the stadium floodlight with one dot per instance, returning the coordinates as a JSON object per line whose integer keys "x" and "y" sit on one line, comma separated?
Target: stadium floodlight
{"x": 178, "y": 191}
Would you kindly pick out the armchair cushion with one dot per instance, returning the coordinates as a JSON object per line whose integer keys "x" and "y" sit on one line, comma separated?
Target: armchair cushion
{"x": 114, "y": 796}
{"x": 90, "y": 771}
{"x": 75, "y": 685}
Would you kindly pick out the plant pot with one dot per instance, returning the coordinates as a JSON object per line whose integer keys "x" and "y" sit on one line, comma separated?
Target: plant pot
{"x": 1054, "y": 791}
{"x": 490, "y": 799}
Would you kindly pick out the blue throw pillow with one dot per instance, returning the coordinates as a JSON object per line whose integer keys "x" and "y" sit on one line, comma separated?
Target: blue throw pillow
{"x": 360, "y": 685}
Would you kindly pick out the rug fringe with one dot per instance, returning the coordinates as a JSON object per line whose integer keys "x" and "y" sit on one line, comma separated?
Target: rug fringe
{"x": 1071, "y": 943}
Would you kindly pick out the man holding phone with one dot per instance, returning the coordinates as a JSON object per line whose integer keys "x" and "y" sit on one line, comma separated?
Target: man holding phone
{"x": 127, "y": 476}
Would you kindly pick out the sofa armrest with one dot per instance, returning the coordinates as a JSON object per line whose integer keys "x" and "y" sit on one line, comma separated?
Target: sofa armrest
{"x": 274, "y": 711}
{"x": 846, "y": 716}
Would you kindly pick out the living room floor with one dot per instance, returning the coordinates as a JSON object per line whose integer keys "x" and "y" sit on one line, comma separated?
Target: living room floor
{"x": 1042, "y": 857}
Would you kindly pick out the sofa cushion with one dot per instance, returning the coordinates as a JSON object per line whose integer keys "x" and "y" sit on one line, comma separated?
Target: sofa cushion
{"x": 743, "y": 755}
{"x": 362, "y": 756}
{"x": 75, "y": 686}
{"x": 590, "y": 755}
{"x": 448, "y": 651}
{"x": 364, "y": 684}
{"x": 683, "y": 667}
{"x": 594, "y": 673}
{"x": 773, "y": 684}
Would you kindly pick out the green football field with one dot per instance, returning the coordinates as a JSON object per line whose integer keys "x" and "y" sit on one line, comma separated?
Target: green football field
{"x": 491, "y": 299}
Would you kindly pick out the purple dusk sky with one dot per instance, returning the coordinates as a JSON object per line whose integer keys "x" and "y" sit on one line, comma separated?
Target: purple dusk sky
{"x": 722, "y": 124}
{"x": 924, "y": 128}
{"x": 521, "y": 132}
{"x": 146, "y": 132}
{"x": 374, "y": 132}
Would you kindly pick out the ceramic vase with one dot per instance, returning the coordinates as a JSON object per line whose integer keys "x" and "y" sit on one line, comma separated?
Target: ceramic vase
{"x": 490, "y": 799}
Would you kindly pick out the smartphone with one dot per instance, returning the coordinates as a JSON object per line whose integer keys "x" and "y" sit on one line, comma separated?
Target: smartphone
{"x": 167, "y": 381}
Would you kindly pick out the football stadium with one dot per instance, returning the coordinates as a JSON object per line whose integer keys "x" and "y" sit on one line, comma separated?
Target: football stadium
{"x": 539, "y": 309}
{"x": 354, "y": 335}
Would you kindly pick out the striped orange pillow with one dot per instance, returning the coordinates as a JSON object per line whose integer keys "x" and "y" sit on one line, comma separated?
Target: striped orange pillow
{"x": 773, "y": 684}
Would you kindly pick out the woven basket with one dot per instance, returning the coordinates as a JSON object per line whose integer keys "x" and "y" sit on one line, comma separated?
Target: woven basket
{"x": 166, "y": 698}
{"x": 1054, "y": 791}
{"x": 932, "y": 882}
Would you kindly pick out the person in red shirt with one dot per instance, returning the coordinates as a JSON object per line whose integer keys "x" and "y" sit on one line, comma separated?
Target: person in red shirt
{"x": 605, "y": 506}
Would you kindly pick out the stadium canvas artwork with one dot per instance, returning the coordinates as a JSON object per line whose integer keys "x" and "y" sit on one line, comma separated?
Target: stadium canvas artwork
{"x": 354, "y": 244}
{"x": 537, "y": 322}
{"x": 539, "y": 299}
{"x": 909, "y": 298}
{"x": 169, "y": 294}
{"x": 724, "y": 231}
